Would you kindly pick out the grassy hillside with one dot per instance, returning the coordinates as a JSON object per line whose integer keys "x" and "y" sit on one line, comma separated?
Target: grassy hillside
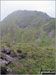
{"x": 30, "y": 37}
{"x": 28, "y": 26}
{"x": 35, "y": 58}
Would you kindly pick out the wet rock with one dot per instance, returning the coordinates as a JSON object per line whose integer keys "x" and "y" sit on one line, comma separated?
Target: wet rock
{"x": 3, "y": 57}
{"x": 8, "y": 51}
{"x": 10, "y": 71}
{"x": 7, "y": 57}
{"x": 2, "y": 61}
{"x": 7, "y": 63}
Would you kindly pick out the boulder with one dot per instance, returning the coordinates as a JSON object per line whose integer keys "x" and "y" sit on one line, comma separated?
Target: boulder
{"x": 10, "y": 71}
{"x": 7, "y": 63}
{"x": 3, "y": 57}
{"x": 8, "y": 51}
{"x": 2, "y": 62}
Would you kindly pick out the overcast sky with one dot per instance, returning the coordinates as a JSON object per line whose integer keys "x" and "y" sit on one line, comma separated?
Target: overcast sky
{"x": 8, "y": 7}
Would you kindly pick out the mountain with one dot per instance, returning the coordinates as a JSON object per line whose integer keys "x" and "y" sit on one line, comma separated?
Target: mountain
{"x": 28, "y": 27}
{"x": 27, "y": 43}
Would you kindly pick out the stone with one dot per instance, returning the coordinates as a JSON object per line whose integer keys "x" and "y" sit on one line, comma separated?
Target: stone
{"x": 8, "y": 51}
{"x": 10, "y": 71}
{"x": 7, "y": 63}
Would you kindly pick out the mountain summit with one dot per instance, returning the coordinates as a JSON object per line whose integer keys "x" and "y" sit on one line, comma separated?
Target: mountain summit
{"x": 28, "y": 26}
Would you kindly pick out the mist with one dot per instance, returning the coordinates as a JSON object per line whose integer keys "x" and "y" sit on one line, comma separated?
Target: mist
{"x": 7, "y": 7}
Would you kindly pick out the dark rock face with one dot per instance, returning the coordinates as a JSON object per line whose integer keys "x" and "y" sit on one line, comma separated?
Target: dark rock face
{"x": 8, "y": 51}
{"x": 49, "y": 28}
{"x": 21, "y": 25}
{"x": 19, "y": 51}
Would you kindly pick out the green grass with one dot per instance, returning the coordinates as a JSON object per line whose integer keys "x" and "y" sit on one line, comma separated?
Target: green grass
{"x": 37, "y": 58}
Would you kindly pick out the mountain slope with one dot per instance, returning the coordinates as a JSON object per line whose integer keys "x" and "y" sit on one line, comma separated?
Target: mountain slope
{"x": 28, "y": 27}
{"x": 27, "y": 35}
